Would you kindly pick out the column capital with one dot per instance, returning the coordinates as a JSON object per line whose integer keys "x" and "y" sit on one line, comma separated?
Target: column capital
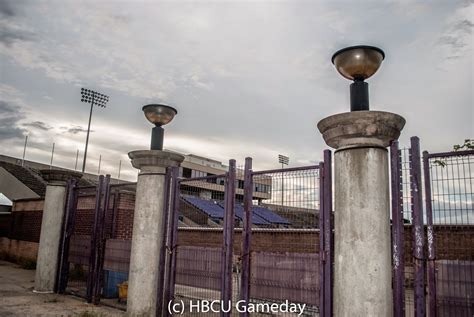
{"x": 153, "y": 160}
{"x": 361, "y": 129}
{"x": 59, "y": 177}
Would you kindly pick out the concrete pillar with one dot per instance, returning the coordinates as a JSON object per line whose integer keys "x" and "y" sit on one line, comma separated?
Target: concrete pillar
{"x": 147, "y": 229}
{"x": 362, "y": 252}
{"x": 51, "y": 227}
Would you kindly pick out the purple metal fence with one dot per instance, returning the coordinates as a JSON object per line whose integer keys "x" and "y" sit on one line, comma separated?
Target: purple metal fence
{"x": 449, "y": 193}
{"x": 294, "y": 196}
{"x": 68, "y": 229}
{"x": 398, "y": 238}
{"x": 326, "y": 237}
{"x": 418, "y": 228}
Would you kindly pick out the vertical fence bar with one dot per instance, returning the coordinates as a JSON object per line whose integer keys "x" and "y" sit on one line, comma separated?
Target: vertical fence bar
{"x": 68, "y": 227}
{"x": 328, "y": 234}
{"x": 93, "y": 250}
{"x": 165, "y": 229}
{"x": 398, "y": 254}
{"x": 322, "y": 253}
{"x": 246, "y": 234}
{"x": 418, "y": 228}
{"x": 226, "y": 291}
{"x": 101, "y": 234}
{"x": 172, "y": 241}
{"x": 224, "y": 236}
{"x": 430, "y": 238}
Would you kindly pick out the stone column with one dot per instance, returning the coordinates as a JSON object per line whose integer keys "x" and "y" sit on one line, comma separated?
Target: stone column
{"x": 362, "y": 255}
{"x": 51, "y": 227}
{"x": 147, "y": 229}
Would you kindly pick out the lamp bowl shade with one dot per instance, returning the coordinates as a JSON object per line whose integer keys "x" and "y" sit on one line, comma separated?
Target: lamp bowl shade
{"x": 358, "y": 62}
{"x": 159, "y": 114}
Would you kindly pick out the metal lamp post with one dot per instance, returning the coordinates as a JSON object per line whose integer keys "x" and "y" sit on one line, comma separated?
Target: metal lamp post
{"x": 362, "y": 250}
{"x": 150, "y": 220}
{"x": 159, "y": 115}
{"x": 94, "y": 98}
{"x": 358, "y": 63}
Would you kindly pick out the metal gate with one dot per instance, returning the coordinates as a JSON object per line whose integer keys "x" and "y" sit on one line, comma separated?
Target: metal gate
{"x": 433, "y": 267}
{"x": 92, "y": 258}
{"x": 279, "y": 205}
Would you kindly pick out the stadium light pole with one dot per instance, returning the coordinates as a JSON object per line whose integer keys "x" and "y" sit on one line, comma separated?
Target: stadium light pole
{"x": 283, "y": 160}
{"x": 94, "y": 98}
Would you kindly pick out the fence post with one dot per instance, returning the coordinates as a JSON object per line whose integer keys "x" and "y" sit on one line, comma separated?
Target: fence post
{"x": 322, "y": 254}
{"x": 418, "y": 228}
{"x": 431, "y": 236}
{"x": 93, "y": 248}
{"x": 172, "y": 242}
{"x": 398, "y": 234}
{"x": 246, "y": 234}
{"x": 328, "y": 234}
{"x": 226, "y": 286}
{"x": 101, "y": 234}
{"x": 166, "y": 231}
{"x": 68, "y": 228}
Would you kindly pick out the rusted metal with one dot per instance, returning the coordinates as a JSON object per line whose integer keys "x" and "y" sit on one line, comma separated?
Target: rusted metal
{"x": 246, "y": 234}
{"x": 398, "y": 254}
{"x": 165, "y": 230}
{"x": 328, "y": 235}
{"x": 170, "y": 274}
{"x": 418, "y": 228}
{"x": 450, "y": 154}
{"x": 228, "y": 245}
{"x": 289, "y": 169}
{"x": 99, "y": 276}
{"x": 94, "y": 238}
{"x": 430, "y": 238}
{"x": 322, "y": 255}
{"x": 68, "y": 228}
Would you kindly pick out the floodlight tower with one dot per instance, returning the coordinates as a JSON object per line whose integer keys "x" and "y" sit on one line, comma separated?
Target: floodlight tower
{"x": 283, "y": 160}
{"x": 94, "y": 98}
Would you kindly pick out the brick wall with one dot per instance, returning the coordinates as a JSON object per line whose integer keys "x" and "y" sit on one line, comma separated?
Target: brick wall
{"x": 5, "y": 225}
{"x": 26, "y": 219}
{"x": 452, "y": 242}
{"x": 124, "y": 220}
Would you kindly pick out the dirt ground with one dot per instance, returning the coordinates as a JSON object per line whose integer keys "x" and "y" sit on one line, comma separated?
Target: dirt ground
{"x": 17, "y": 298}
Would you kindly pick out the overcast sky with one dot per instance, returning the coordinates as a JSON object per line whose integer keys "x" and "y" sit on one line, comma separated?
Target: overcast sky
{"x": 248, "y": 78}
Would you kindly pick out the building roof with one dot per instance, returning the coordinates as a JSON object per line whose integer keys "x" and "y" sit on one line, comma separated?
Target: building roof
{"x": 32, "y": 178}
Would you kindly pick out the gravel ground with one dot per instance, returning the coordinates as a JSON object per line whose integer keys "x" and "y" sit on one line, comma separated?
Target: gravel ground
{"x": 17, "y": 298}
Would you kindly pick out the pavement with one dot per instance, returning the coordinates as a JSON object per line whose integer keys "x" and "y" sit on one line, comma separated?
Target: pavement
{"x": 17, "y": 298}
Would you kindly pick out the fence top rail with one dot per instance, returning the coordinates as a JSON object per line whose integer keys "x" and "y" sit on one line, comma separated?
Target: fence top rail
{"x": 450, "y": 154}
{"x": 289, "y": 169}
{"x": 202, "y": 178}
{"x": 124, "y": 184}
{"x": 285, "y": 230}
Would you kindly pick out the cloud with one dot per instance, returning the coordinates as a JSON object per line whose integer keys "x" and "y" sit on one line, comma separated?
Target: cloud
{"x": 456, "y": 40}
{"x": 75, "y": 129}
{"x": 9, "y": 118}
{"x": 6, "y": 9}
{"x": 38, "y": 125}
